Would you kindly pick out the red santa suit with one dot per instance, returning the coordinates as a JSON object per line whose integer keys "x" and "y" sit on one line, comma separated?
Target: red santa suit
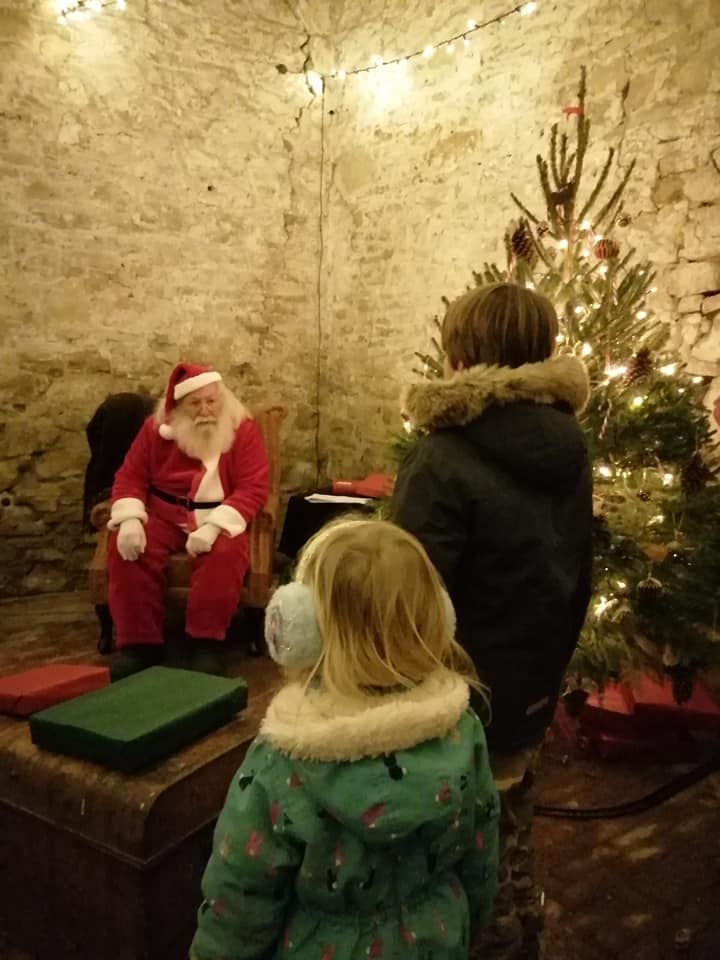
{"x": 173, "y": 494}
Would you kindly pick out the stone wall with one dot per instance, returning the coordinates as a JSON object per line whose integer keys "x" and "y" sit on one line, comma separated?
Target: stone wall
{"x": 421, "y": 159}
{"x": 160, "y": 178}
{"x": 159, "y": 184}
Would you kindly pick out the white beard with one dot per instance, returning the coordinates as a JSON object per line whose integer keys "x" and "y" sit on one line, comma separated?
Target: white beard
{"x": 203, "y": 440}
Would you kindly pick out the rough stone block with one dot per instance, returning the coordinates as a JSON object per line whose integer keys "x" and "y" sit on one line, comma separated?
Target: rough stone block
{"x": 690, "y": 304}
{"x": 693, "y": 278}
{"x": 710, "y": 304}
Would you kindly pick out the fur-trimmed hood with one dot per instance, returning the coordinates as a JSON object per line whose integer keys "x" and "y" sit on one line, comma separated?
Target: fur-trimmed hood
{"x": 468, "y": 393}
{"x": 312, "y": 725}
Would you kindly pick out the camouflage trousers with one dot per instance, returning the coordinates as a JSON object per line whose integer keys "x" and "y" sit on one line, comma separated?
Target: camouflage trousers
{"x": 514, "y": 932}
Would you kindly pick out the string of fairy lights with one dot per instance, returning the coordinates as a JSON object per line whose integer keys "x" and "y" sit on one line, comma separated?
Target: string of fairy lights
{"x": 69, "y": 11}
{"x": 458, "y": 41}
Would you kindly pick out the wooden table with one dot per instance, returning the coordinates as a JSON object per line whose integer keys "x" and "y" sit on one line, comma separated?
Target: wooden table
{"x": 97, "y": 864}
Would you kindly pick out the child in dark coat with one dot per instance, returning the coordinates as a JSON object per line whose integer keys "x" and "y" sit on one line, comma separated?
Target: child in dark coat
{"x": 499, "y": 492}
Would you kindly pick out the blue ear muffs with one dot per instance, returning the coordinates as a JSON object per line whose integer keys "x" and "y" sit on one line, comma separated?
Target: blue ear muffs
{"x": 292, "y": 633}
{"x": 291, "y": 628}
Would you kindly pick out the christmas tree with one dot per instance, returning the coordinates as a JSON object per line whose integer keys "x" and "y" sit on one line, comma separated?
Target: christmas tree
{"x": 657, "y": 507}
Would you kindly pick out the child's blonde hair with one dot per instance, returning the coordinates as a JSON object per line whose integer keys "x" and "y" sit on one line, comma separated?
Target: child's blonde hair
{"x": 380, "y": 608}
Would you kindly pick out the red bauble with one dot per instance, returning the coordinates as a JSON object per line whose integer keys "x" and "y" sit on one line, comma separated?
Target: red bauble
{"x": 606, "y": 249}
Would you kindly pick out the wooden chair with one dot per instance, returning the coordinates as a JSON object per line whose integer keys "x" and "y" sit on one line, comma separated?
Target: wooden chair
{"x": 259, "y": 580}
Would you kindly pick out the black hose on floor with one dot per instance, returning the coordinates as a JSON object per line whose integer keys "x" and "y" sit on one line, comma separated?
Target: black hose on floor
{"x": 650, "y": 800}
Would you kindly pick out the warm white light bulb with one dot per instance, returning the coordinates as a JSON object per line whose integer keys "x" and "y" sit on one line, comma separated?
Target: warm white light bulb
{"x": 562, "y": 244}
{"x": 652, "y": 290}
{"x": 667, "y": 479}
{"x": 621, "y": 584}
{"x": 428, "y": 51}
{"x": 612, "y": 372}
{"x": 559, "y": 338}
{"x": 528, "y": 8}
{"x": 638, "y": 401}
{"x": 471, "y": 24}
{"x": 584, "y": 252}
{"x": 697, "y": 379}
{"x": 599, "y": 236}
{"x": 451, "y": 48}
{"x": 603, "y": 270}
{"x": 341, "y": 74}
{"x": 641, "y": 314}
{"x": 586, "y": 349}
{"x": 579, "y": 310}
{"x": 585, "y": 225}
{"x": 669, "y": 369}
{"x": 530, "y": 285}
{"x": 605, "y": 471}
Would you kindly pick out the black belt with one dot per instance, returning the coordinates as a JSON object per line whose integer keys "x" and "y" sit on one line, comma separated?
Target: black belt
{"x": 186, "y": 502}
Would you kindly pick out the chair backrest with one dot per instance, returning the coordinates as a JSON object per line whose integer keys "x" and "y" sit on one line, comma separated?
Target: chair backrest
{"x": 269, "y": 419}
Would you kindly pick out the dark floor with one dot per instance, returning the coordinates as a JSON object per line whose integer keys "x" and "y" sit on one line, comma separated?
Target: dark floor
{"x": 636, "y": 888}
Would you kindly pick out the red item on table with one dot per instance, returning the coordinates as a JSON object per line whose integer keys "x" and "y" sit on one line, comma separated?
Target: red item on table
{"x": 31, "y": 690}
{"x": 375, "y": 485}
{"x": 640, "y": 718}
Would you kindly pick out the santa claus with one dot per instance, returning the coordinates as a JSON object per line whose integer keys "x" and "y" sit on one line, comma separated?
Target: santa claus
{"x": 193, "y": 479}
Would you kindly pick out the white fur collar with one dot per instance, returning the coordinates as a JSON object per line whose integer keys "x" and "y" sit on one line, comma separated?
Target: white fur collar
{"x": 468, "y": 393}
{"x": 312, "y": 725}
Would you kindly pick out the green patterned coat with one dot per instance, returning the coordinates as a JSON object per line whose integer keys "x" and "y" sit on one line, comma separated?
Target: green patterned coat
{"x": 350, "y": 834}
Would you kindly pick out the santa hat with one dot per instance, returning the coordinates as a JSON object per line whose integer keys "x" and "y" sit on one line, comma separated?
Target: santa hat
{"x": 186, "y": 378}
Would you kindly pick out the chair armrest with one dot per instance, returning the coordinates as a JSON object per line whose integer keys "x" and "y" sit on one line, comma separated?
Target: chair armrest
{"x": 271, "y": 509}
{"x": 100, "y": 514}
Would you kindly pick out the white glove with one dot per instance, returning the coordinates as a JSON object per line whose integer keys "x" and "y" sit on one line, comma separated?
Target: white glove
{"x": 202, "y": 539}
{"x": 131, "y": 539}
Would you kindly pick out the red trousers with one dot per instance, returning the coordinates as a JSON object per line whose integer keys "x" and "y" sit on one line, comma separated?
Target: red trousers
{"x": 136, "y": 589}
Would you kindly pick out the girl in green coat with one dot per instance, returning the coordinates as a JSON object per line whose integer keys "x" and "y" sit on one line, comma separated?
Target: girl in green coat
{"x": 363, "y": 821}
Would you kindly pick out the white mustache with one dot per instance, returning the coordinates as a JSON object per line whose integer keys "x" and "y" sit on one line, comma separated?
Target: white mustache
{"x": 200, "y": 421}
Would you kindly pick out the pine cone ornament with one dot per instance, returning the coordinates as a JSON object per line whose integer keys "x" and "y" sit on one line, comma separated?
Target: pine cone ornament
{"x": 683, "y": 681}
{"x": 575, "y": 701}
{"x": 521, "y": 243}
{"x": 639, "y": 366}
{"x": 649, "y": 594}
{"x": 623, "y": 220}
{"x": 606, "y": 249}
{"x": 694, "y": 476}
{"x": 542, "y": 229}
{"x": 563, "y": 195}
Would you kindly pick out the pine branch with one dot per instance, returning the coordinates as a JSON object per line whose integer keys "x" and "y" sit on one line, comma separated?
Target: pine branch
{"x": 598, "y": 185}
{"x": 541, "y": 251}
{"x": 531, "y": 216}
{"x": 617, "y": 194}
{"x": 547, "y": 191}
{"x": 553, "y": 155}
{"x": 564, "y": 162}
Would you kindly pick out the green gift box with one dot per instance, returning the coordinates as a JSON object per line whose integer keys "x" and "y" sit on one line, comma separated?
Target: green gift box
{"x": 141, "y": 719}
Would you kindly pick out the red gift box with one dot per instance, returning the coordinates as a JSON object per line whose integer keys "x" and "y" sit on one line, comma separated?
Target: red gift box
{"x": 631, "y": 719}
{"x": 24, "y": 693}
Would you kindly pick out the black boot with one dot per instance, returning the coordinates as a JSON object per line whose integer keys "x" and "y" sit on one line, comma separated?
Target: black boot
{"x": 208, "y": 657}
{"x": 133, "y": 658}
